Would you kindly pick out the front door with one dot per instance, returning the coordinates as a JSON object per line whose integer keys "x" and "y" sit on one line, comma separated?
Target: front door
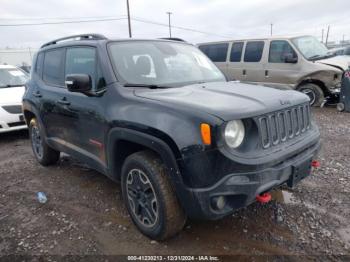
{"x": 85, "y": 113}
{"x": 283, "y": 66}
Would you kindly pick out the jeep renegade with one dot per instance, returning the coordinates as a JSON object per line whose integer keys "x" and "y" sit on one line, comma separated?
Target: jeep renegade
{"x": 160, "y": 117}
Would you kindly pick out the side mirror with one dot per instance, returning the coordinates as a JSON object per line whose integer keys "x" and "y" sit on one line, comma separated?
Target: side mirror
{"x": 290, "y": 59}
{"x": 78, "y": 83}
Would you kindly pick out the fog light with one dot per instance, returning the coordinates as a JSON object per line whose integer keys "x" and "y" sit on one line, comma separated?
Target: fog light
{"x": 218, "y": 202}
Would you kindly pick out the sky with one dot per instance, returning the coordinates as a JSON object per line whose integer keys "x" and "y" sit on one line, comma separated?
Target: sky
{"x": 219, "y": 19}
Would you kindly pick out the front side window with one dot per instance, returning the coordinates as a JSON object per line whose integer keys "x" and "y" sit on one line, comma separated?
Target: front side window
{"x": 53, "y": 71}
{"x": 83, "y": 60}
{"x": 253, "y": 51}
{"x": 310, "y": 47}
{"x": 12, "y": 77}
{"x": 236, "y": 52}
{"x": 162, "y": 63}
{"x": 216, "y": 52}
{"x": 279, "y": 51}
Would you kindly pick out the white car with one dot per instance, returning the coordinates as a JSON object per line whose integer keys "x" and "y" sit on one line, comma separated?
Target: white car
{"x": 12, "y": 82}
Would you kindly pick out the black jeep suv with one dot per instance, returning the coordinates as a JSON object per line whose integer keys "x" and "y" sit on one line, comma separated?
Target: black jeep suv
{"x": 159, "y": 117}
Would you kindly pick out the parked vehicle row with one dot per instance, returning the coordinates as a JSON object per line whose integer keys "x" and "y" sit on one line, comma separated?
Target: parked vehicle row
{"x": 160, "y": 117}
{"x": 301, "y": 63}
{"x": 12, "y": 82}
{"x": 340, "y": 51}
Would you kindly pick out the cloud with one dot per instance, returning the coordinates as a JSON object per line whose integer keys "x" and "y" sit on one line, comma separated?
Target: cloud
{"x": 243, "y": 19}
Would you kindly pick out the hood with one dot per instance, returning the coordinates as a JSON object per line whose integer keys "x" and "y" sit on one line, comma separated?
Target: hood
{"x": 226, "y": 100}
{"x": 340, "y": 62}
{"x": 11, "y": 95}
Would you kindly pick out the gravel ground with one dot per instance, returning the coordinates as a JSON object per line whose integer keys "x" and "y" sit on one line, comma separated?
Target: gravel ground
{"x": 85, "y": 214}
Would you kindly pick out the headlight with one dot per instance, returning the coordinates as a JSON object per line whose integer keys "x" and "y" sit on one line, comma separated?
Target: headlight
{"x": 234, "y": 133}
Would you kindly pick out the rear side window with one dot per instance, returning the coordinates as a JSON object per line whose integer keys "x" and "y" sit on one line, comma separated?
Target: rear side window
{"x": 236, "y": 52}
{"x": 216, "y": 52}
{"x": 39, "y": 64}
{"x": 53, "y": 71}
{"x": 253, "y": 51}
{"x": 279, "y": 50}
{"x": 82, "y": 60}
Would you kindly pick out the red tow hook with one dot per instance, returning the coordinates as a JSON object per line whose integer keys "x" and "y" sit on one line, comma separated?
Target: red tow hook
{"x": 263, "y": 198}
{"x": 315, "y": 163}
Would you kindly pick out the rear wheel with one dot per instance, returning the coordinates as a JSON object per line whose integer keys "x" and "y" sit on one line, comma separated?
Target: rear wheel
{"x": 314, "y": 92}
{"x": 44, "y": 154}
{"x": 149, "y": 196}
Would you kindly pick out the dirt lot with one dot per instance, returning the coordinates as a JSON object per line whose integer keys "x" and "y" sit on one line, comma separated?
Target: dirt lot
{"x": 85, "y": 214}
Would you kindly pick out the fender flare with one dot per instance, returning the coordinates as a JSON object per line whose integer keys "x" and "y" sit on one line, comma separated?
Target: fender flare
{"x": 145, "y": 140}
{"x": 30, "y": 108}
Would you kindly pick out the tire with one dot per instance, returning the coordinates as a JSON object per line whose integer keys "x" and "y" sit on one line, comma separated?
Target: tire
{"x": 44, "y": 154}
{"x": 314, "y": 92}
{"x": 153, "y": 206}
{"x": 340, "y": 107}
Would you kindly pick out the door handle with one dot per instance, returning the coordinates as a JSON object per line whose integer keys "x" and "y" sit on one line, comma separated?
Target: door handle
{"x": 37, "y": 94}
{"x": 63, "y": 101}
{"x": 244, "y": 72}
{"x": 266, "y": 73}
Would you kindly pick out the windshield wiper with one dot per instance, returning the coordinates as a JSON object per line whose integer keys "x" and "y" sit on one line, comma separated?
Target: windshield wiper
{"x": 152, "y": 86}
{"x": 315, "y": 56}
{"x": 11, "y": 86}
{"x": 321, "y": 56}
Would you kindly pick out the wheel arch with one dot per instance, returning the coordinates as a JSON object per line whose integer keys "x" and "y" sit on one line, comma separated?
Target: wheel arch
{"x": 123, "y": 141}
{"x": 316, "y": 82}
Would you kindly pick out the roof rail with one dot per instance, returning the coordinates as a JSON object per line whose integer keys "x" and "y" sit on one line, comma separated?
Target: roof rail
{"x": 173, "y": 39}
{"x": 76, "y": 37}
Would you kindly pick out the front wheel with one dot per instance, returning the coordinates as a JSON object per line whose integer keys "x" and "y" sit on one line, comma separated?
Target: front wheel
{"x": 149, "y": 196}
{"x": 43, "y": 153}
{"x": 314, "y": 92}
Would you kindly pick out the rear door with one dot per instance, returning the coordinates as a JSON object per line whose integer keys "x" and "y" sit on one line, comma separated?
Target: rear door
{"x": 253, "y": 62}
{"x": 234, "y": 64}
{"x": 218, "y": 54}
{"x": 50, "y": 89}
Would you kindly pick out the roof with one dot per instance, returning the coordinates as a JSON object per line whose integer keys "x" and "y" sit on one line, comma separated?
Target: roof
{"x": 254, "y": 39}
{"x": 96, "y": 38}
{"x": 7, "y": 67}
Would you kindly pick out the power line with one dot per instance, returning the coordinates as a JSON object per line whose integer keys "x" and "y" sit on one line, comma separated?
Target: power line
{"x": 63, "y": 22}
{"x": 57, "y": 18}
{"x": 138, "y": 19}
{"x": 177, "y": 27}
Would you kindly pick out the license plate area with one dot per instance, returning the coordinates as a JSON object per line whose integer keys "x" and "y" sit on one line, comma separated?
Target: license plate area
{"x": 299, "y": 172}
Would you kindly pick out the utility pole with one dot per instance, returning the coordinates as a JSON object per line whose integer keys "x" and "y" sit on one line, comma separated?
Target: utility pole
{"x": 327, "y": 35}
{"x": 271, "y": 28}
{"x": 343, "y": 43}
{"x": 322, "y": 35}
{"x": 30, "y": 53}
{"x": 169, "y": 14}
{"x": 129, "y": 23}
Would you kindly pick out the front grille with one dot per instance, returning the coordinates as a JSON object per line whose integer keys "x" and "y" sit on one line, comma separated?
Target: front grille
{"x": 21, "y": 123}
{"x": 280, "y": 126}
{"x": 15, "y": 109}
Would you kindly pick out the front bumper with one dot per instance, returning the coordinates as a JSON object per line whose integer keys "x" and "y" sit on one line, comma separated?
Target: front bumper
{"x": 11, "y": 121}
{"x": 241, "y": 189}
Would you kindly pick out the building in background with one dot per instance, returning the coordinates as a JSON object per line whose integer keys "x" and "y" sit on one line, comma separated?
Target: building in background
{"x": 17, "y": 57}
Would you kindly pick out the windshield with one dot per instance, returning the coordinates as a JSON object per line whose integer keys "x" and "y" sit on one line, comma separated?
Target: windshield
{"x": 310, "y": 47}
{"x": 11, "y": 77}
{"x": 162, "y": 63}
